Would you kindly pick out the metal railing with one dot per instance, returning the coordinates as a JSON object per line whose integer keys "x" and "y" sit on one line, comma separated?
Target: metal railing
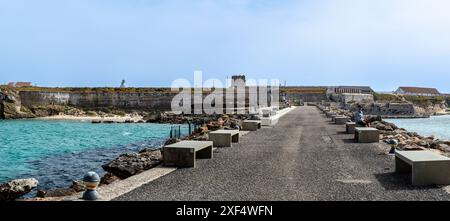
{"x": 175, "y": 130}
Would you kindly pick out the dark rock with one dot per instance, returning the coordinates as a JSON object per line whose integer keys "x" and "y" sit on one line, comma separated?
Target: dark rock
{"x": 412, "y": 147}
{"x": 423, "y": 143}
{"x": 60, "y": 192}
{"x": 434, "y": 145}
{"x": 153, "y": 118}
{"x": 172, "y": 141}
{"x": 41, "y": 193}
{"x": 78, "y": 186}
{"x": 16, "y": 188}
{"x": 213, "y": 126}
{"x": 134, "y": 163}
{"x": 444, "y": 148}
{"x": 47, "y": 110}
{"x": 10, "y": 98}
{"x": 390, "y": 125}
{"x": 202, "y": 137}
{"x": 11, "y": 107}
{"x": 202, "y": 130}
{"x": 96, "y": 122}
{"x": 412, "y": 134}
{"x": 373, "y": 119}
{"x": 108, "y": 178}
{"x": 255, "y": 117}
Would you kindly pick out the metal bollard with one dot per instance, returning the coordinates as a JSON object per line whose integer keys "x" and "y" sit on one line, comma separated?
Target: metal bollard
{"x": 91, "y": 181}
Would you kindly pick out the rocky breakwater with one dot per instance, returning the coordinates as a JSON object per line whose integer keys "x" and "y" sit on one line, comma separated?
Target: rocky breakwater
{"x": 130, "y": 164}
{"x": 16, "y": 188}
{"x": 122, "y": 167}
{"x": 407, "y": 140}
{"x": 410, "y": 140}
{"x": 340, "y": 112}
{"x": 388, "y": 109}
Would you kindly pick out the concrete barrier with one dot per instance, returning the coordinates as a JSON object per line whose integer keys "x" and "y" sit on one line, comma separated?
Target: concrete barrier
{"x": 350, "y": 127}
{"x": 185, "y": 153}
{"x": 251, "y": 125}
{"x": 341, "y": 120}
{"x": 273, "y": 120}
{"x": 224, "y": 138}
{"x": 266, "y": 112}
{"x": 427, "y": 168}
{"x": 330, "y": 114}
{"x": 367, "y": 135}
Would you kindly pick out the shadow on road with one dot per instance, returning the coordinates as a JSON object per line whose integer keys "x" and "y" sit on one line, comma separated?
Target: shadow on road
{"x": 349, "y": 140}
{"x": 342, "y": 133}
{"x": 399, "y": 181}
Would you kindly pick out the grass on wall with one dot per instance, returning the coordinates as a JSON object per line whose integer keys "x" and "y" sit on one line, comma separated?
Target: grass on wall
{"x": 86, "y": 89}
{"x": 419, "y": 100}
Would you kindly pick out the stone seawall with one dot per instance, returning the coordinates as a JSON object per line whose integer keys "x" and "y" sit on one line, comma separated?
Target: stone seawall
{"x": 139, "y": 99}
{"x": 119, "y": 100}
{"x": 308, "y": 97}
{"x": 386, "y": 109}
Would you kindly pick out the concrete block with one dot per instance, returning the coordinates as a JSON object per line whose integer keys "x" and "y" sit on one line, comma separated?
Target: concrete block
{"x": 341, "y": 120}
{"x": 224, "y": 138}
{"x": 185, "y": 153}
{"x": 269, "y": 121}
{"x": 266, "y": 112}
{"x": 330, "y": 114}
{"x": 251, "y": 125}
{"x": 426, "y": 167}
{"x": 350, "y": 127}
{"x": 367, "y": 135}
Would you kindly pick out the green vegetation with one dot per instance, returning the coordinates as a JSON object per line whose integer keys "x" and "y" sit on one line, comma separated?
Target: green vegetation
{"x": 306, "y": 90}
{"x": 91, "y": 113}
{"x": 418, "y": 100}
{"x": 425, "y": 100}
{"x": 387, "y": 97}
{"x": 118, "y": 113}
{"x": 87, "y": 89}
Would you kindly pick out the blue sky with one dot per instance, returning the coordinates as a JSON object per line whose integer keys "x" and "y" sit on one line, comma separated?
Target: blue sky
{"x": 382, "y": 43}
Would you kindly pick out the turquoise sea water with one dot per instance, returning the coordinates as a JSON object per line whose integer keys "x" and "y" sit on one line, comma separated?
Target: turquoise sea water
{"x": 438, "y": 126}
{"x": 56, "y": 152}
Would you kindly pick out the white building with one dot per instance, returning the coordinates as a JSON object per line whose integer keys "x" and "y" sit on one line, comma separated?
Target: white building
{"x": 418, "y": 91}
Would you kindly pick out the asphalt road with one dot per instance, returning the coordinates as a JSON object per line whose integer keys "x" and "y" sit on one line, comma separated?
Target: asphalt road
{"x": 304, "y": 157}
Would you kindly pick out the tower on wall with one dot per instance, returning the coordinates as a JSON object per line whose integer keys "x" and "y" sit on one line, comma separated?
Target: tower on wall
{"x": 238, "y": 81}
{"x": 123, "y": 84}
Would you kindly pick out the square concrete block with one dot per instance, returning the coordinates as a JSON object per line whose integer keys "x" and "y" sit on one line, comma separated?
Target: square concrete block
{"x": 266, "y": 112}
{"x": 350, "y": 127}
{"x": 251, "y": 125}
{"x": 426, "y": 167}
{"x": 224, "y": 138}
{"x": 185, "y": 153}
{"x": 330, "y": 114}
{"x": 367, "y": 135}
{"x": 341, "y": 120}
